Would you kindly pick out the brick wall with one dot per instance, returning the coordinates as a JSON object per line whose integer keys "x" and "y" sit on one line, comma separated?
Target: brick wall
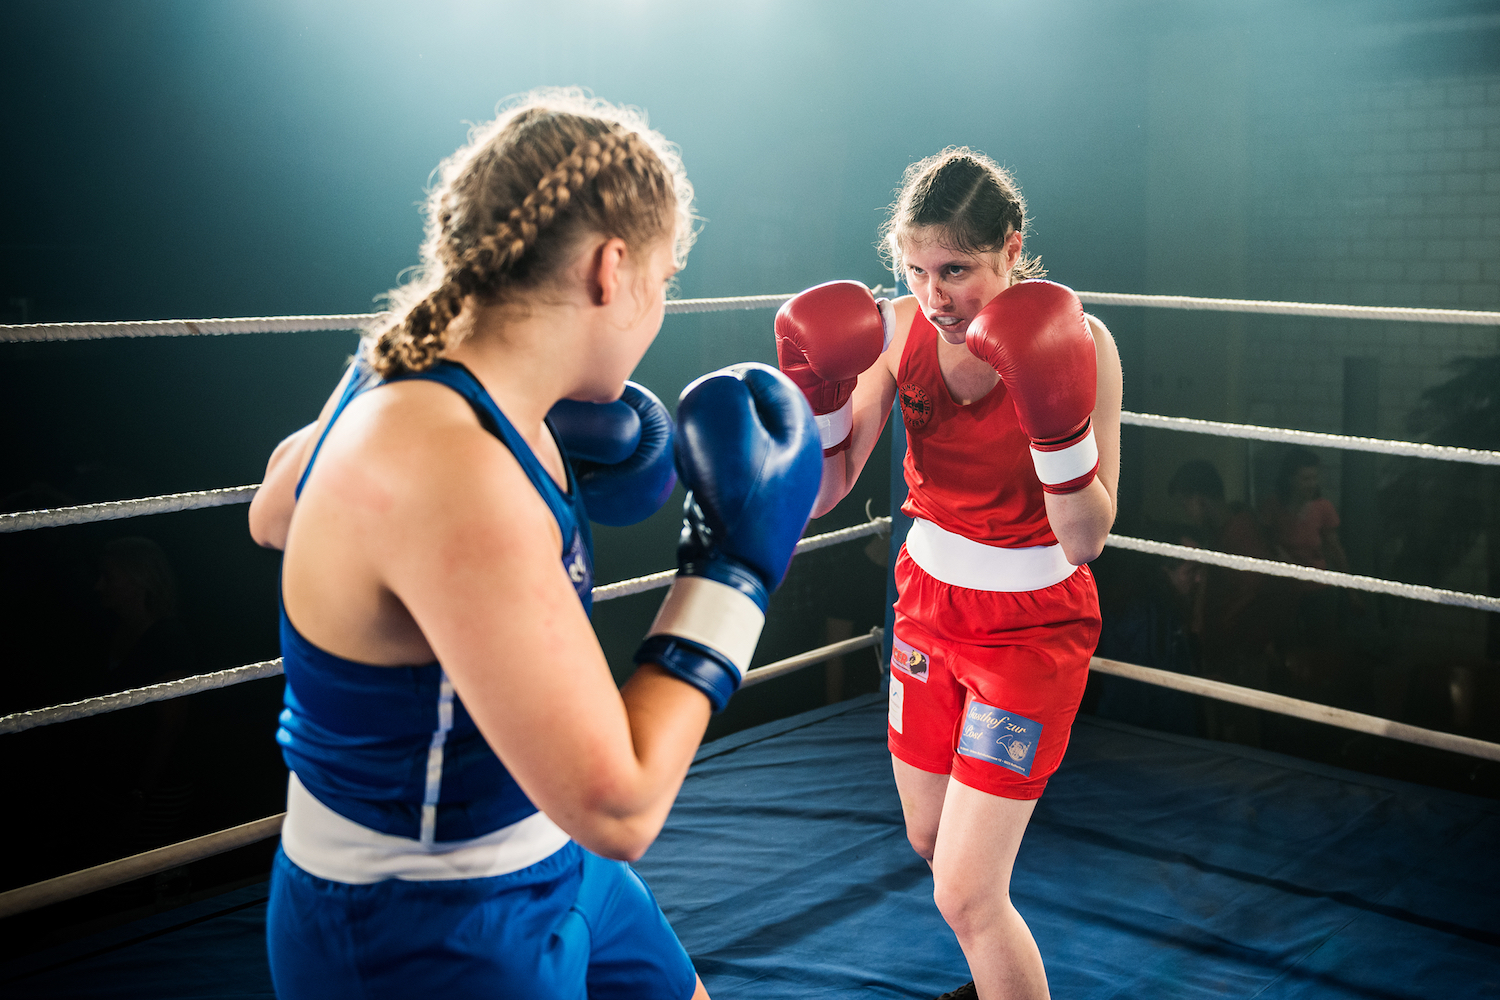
{"x": 1382, "y": 193}
{"x": 1390, "y": 195}
{"x": 1374, "y": 192}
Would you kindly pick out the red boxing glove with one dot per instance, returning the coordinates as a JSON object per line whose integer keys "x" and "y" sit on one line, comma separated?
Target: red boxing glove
{"x": 1035, "y": 336}
{"x": 826, "y": 337}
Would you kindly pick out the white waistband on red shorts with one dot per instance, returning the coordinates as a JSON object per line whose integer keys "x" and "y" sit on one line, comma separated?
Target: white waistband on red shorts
{"x": 323, "y": 843}
{"x": 963, "y": 562}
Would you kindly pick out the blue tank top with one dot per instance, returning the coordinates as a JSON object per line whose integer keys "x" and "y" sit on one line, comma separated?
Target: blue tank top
{"x": 393, "y": 748}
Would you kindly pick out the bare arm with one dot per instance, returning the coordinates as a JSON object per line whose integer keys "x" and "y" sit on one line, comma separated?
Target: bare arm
{"x": 604, "y": 764}
{"x": 1082, "y": 520}
{"x": 873, "y": 395}
{"x": 271, "y": 507}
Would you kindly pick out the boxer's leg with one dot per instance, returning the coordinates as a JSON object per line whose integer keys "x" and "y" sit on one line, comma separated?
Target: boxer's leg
{"x": 922, "y": 795}
{"x": 978, "y": 836}
{"x": 925, "y": 701}
{"x": 1023, "y": 667}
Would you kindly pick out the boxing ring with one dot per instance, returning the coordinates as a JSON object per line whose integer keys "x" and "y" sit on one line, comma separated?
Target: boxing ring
{"x": 1156, "y": 865}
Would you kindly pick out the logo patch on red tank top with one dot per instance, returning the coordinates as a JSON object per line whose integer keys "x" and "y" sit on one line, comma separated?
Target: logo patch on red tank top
{"x": 916, "y": 408}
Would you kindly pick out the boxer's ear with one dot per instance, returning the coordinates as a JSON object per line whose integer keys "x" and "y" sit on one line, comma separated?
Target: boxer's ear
{"x": 606, "y": 261}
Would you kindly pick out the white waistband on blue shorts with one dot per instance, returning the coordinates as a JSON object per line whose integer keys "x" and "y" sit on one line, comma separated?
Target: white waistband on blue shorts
{"x": 963, "y": 562}
{"x": 323, "y": 843}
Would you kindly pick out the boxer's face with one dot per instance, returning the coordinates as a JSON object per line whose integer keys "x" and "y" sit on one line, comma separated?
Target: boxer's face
{"x": 1305, "y": 485}
{"x": 952, "y": 286}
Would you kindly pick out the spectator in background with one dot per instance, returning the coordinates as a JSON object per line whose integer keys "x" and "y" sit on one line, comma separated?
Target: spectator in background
{"x": 1302, "y": 523}
{"x": 1303, "y": 526}
{"x": 1231, "y": 615}
{"x": 1239, "y": 608}
{"x": 1160, "y": 625}
{"x": 1198, "y": 489}
{"x": 148, "y": 645}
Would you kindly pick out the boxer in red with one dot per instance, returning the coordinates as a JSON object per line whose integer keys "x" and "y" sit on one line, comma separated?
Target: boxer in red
{"x": 1011, "y": 399}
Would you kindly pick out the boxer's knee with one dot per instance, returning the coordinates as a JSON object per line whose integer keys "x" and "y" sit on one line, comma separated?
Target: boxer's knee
{"x": 922, "y": 837}
{"x": 968, "y": 905}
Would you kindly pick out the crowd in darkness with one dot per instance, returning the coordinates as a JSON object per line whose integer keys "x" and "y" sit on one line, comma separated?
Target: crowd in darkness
{"x": 88, "y": 620}
{"x": 1306, "y": 640}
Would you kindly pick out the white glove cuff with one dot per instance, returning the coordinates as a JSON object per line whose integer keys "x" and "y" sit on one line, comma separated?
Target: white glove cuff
{"x": 834, "y": 427}
{"x": 1066, "y": 464}
{"x": 711, "y": 614}
{"x": 888, "y": 317}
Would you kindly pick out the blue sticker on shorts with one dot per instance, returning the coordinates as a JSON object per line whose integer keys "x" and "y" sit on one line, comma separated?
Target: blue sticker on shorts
{"x": 908, "y": 660}
{"x": 999, "y": 737}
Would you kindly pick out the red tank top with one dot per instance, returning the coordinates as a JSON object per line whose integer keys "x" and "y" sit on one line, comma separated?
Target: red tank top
{"x": 968, "y": 468}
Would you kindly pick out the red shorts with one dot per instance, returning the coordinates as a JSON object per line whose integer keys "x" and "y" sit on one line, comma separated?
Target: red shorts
{"x": 985, "y": 684}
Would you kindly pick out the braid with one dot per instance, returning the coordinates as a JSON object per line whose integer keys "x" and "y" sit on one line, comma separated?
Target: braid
{"x": 415, "y": 343}
{"x": 497, "y": 251}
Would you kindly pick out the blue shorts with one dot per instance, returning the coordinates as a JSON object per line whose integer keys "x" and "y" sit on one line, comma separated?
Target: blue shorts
{"x": 573, "y": 926}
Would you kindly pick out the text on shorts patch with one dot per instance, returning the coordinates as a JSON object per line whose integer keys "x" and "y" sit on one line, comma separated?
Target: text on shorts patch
{"x": 999, "y": 737}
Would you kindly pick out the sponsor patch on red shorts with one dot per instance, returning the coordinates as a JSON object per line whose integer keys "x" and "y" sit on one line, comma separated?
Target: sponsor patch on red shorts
{"x": 898, "y": 700}
{"x": 999, "y": 737}
{"x": 909, "y": 660}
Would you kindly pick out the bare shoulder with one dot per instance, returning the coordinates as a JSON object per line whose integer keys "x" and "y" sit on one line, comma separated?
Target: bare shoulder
{"x": 426, "y": 466}
{"x": 1111, "y": 378}
{"x": 1104, "y": 341}
{"x": 1098, "y": 329}
{"x": 906, "y": 312}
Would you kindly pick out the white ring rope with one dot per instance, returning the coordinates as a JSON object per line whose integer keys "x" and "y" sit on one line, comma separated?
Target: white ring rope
{"x": 1400, "y": 314}
{"x": 1297, "y": 708}
{"x": 655, "y": 581}
{"x": 771, "y": 671}
{"x": 112, "y": 873}
{"x": 113, "y": 510}
{"x": 1380, "y": 446}
{"x": 37, "y": 332}
{"x": 28, "y": 333}
{"x": 21, "y": 721}
{"x": 726, "y": 303}
{"x": 27, "y": 520}
{"x": 1269, "y": 567}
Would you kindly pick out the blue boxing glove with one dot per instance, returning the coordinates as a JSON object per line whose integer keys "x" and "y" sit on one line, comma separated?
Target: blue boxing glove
{"x": 621, "y": 454}
{"x": 749, "y": 453}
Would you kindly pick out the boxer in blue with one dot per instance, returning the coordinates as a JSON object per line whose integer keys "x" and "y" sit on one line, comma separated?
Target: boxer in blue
{"x": 467, "y": 781}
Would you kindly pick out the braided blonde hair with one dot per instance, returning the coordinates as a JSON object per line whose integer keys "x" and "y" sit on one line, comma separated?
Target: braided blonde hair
{"x": 510, "y": 207}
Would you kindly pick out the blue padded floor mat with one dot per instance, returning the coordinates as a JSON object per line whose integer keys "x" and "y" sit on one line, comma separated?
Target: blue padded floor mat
{"x": 1155, "y": 866}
